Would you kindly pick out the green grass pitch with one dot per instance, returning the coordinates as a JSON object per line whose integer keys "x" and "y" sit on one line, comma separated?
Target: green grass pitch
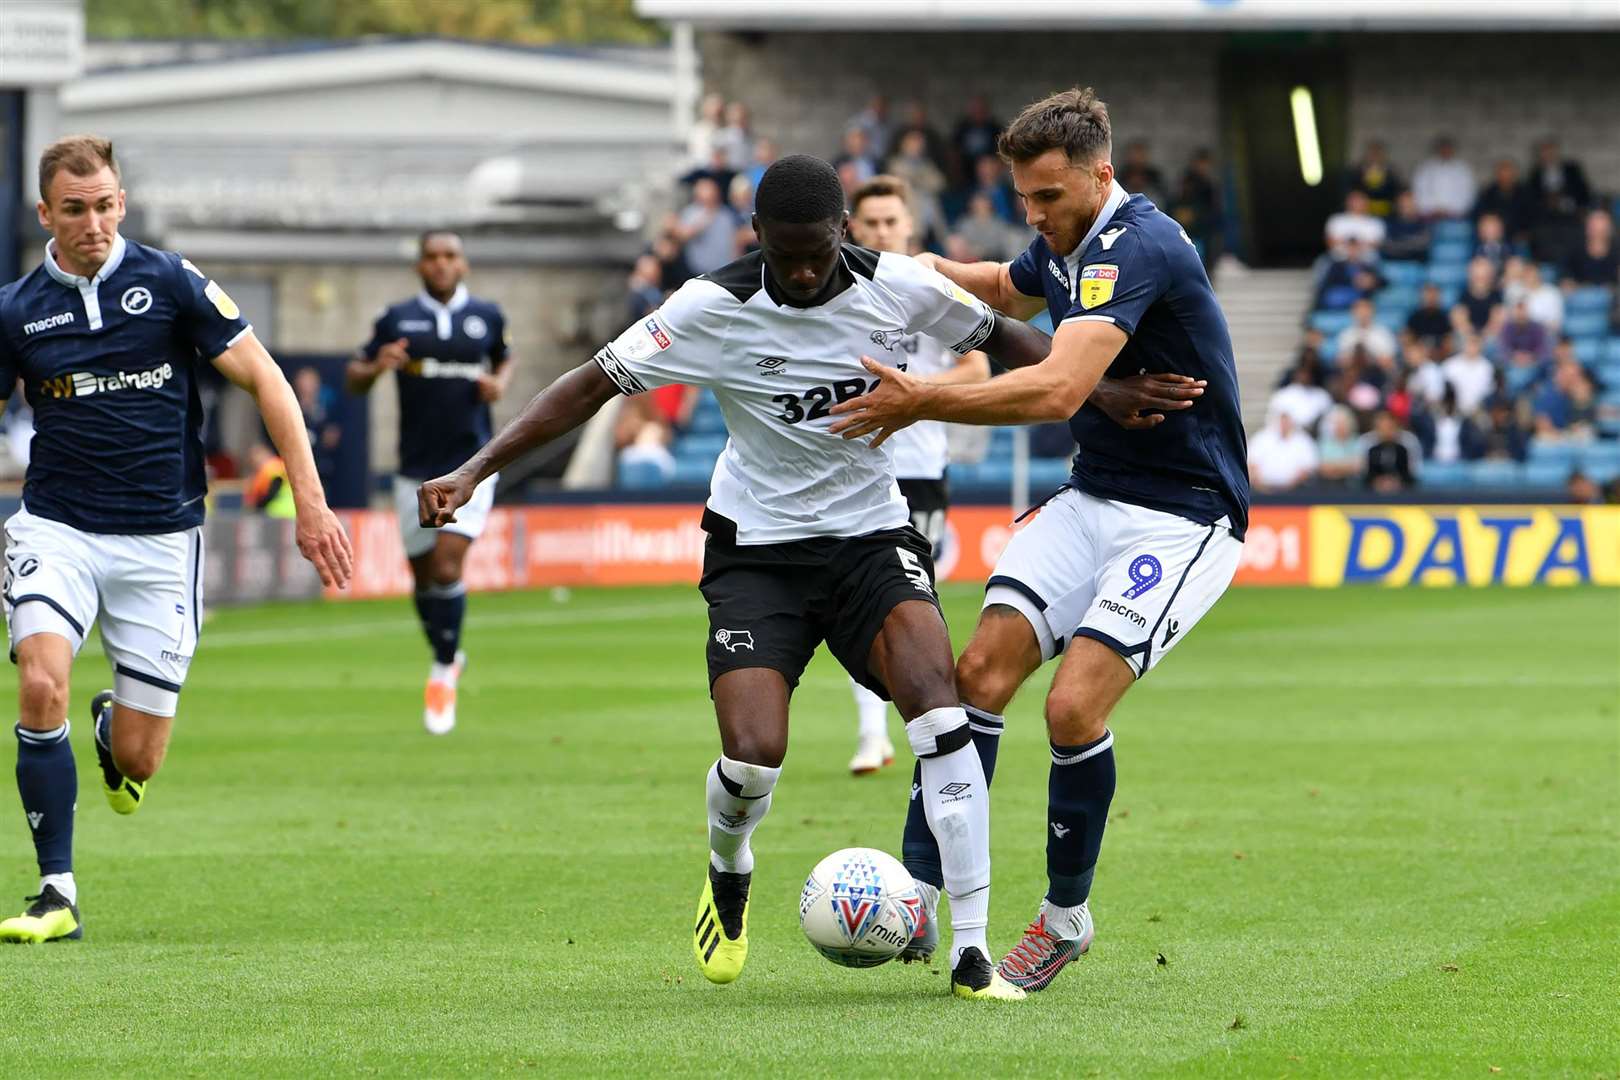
{"x": 1358, "y": 833}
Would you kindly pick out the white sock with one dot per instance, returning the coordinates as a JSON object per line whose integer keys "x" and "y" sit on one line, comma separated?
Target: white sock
{"x": 64, "y": 884}
{"x": 956, "y": 801}
{"x": 445, "y": 673}
{"x": 1064, "y": 922}
{"x": 873, "y": 712}
{"x": 739, "y": 796}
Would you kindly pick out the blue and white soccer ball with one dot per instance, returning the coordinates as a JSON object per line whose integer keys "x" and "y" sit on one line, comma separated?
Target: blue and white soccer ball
{"x": 860, "y": 907}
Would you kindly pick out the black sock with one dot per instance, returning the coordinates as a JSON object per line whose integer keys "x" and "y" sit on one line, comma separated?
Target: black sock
{"x": 918, "y": 848}
{"x": 48, "y": 781}
{"x": 1078, "y": 791}
{"x": 441, "y": 609}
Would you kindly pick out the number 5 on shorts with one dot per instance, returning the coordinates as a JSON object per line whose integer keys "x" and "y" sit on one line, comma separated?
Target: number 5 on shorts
{"x": 915, "y": 570}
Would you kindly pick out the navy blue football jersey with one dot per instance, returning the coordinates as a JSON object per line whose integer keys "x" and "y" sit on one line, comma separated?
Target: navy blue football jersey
{"x": 1138, "y": 270}
{"x": 442, "y": 422}
{"x": 109, "y": 365}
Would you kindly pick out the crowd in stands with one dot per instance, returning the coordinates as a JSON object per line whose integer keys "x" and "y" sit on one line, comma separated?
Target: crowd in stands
{"x": 1462, "y": 334}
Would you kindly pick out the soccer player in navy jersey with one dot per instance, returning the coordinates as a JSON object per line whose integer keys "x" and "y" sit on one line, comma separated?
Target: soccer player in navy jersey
{"x": 107, "y": 336}
{"x": 1148, "y": 531}
{"x": 448, "y": 352}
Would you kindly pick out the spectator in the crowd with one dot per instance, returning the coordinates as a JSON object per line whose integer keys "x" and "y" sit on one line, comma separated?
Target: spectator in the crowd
{"x": 1502, "y": 437}
{"x": 707, "y": 229}
{"x": 765, "y": 152}
{"x": 319, "y": 403}
{"x": 1443, "y": 183}
{"x": 990, "y": 180}
{"x": 1597, "y": 262}
{"x": 912, "y": 163}
{"x": 645, "y": 288}
{"x": 1338, "y": 450}
{"x": 1523, "y": 335}
{"x": 1302, "y": 398}
{"x": 856, "y": 151}
{"x": 1375, "y": 178}
{"x": 1365, "y": 332}
{"x": 1399, "y": 402}
{"x": 736, "y": 137}
{"x": 1479, "y": 309}
{"x": 717, "y": 168}
{"x": 874, "y": 120}
{"x": 1141, "y": 177}
{"x": 267, "y": 488}
{"x": 1281, "y": 456}
{"x": 1424, "y": 379}
{"x": 975, "y": 134}
{"x": 1506, "y": 197}
{"x": 740, "y": 198}
{"x": 642, "y": 435}
{"x": 959, "y": 250}
{"x": 1491, "y": 242}
{"x": 1308, "y": 356}
{"x": 1445, "y": 433}
{"x": 1429, "y": 322}
{"x": 1359, "y": 382}
{"x": 1406, "y": 233}
{"x": 1557, "y": 185}
{"x": 916, "y": 119}
{"x": 1355, "y": 224}
{"x": 988, "y": 233}
{"x": 700, "y": 139}
{"x": 1522, "y": 282}
{"x": 1198, "y": 205}
{"x": 849, "y": 178}
{"x": 1348, "y": 279}
{"x": 1566, "y": 407}
{"x": 1581, "y": 490}
{"x": 1390, "y": 456}
{"x": 1469, "y": 374}
{"x": 674, "y": 271}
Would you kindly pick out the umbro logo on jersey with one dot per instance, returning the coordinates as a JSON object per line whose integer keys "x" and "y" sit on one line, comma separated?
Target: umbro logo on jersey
{"x": 84, "y": 383}
{"x": 1111, "y": 236}
{"x": 773, "y": 365}
{"x": 50, "y": 322}
{"x": 137, "y": 300}
{"x": 887, "y": 338}
{"x": 732, "y": 640}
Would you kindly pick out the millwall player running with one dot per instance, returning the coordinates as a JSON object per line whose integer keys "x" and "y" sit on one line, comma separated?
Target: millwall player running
{"x": 107, "y": 336}
{"x": 448, "y": 352}
{"x": 880, "y": 219}
{"x": 1125, "y": 560}
{"x": 809, "y": 538}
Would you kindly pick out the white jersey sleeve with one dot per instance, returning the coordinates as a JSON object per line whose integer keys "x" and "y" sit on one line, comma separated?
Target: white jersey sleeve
{"x": 678, "y": 343}
{"x": 937, "y": 306}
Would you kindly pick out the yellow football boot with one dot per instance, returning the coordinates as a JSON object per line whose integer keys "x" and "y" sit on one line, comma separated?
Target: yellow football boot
{"x": 974, "y": 978}
{"x": 49, "y": 918}
{"x": 720, "y": 938}
{"x": 123, "y": 794}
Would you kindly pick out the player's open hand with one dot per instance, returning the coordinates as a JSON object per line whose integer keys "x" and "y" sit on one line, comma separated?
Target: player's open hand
{"x": 394, "y": 355}
{"x": 438, "y": 500}
{"x": 894, "y": 402}
{"x": 323, "y": 542}
{"x": 1124, "y": 401}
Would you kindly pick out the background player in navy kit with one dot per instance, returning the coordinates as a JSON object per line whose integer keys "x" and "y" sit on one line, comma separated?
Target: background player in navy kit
{"x": 107, "y": 336}
{"x": 1148, "y": 532}
{"x": 880, "y": 218}
{"x": 448, "y": 352}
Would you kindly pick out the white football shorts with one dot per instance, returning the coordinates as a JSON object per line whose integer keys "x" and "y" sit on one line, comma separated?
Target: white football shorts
{"x": 469, "y": 521}
{"x": 1135, "y": 579}
{"x": 145, "y": 592}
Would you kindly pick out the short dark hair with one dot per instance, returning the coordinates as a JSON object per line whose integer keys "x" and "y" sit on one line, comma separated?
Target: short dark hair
{"x": 799, "y": 189}
{"x": 879, "y": 186}
{"x": 428, "y": 234}
{"x": 81, "y": 155}
{"x": 1073, "y": 121}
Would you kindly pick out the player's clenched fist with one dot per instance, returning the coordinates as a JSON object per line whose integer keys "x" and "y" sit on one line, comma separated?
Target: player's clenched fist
{"x": 394, "y": 355}
{"x": 438, "y": 500}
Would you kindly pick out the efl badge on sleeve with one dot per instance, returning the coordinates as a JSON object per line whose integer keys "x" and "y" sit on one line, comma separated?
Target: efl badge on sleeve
{"x": 1097, "y": 284}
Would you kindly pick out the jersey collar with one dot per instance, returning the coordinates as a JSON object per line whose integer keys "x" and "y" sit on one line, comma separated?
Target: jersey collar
{"x": 441, "y": 312}
{"x": 1116, "y": 199}
{"x": 76, "y": 281}
{"x": 843, "y": 278}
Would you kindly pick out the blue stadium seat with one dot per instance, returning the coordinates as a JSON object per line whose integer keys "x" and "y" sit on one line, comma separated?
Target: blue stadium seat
{"x": 640, "y": 475}
{"x": 1444, "y": 474}
{"x": 1588, "y": 350}
{"x": 1450, "y": 252}
{"x": 1448, "y": 275}
{"x": 1520, "y": 378}
{"x": 1495, "y": 473}
{"x": 1547, "y": 474}
{"x": 707, "y": 418}
{"x": 1549, "y": 273}
{"x": 1603, "y": 455}
{"x": 1046, "y": 475}
{"x": 1000, "y": 445}
{"x": 1559, "y": 453}
{"x": 1392, "y": 320}
{"x": 700, "y": 445}
{"x": 1454, "y": 232}
{"x": 1330, "y": 348}
{"x": 1586, "y": 324}
{"x": 692, "y": 472}
{"x": 1612, "y": 350}
{"x": 1587, "y": 299}
{"x": 1608, "y": 373}
{"x": 1397, "y": 296}
{"x": 1330, "y": 322}
{"x": 1404, "y": 274}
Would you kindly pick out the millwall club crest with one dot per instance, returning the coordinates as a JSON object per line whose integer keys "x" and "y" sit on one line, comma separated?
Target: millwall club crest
{"x": 1097, "y": 284}
{"x": 474, "y": 327}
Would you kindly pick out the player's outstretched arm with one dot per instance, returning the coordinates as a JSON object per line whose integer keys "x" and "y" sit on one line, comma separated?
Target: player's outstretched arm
{"x": 990, "y": 282}
{"x": 554, "y": 411}
{"x": 321, "y": 538}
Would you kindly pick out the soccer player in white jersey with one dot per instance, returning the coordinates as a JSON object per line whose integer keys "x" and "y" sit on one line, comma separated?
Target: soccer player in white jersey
{"x": 809, "y": 539}
{"x": 1123, "y": 562}
{"x": 880, "y": 218}
{"x": 107, "y": 336}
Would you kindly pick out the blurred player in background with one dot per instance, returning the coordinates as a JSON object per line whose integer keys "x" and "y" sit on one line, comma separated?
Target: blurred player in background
{"x": 448, "y": 352}
{"x": 1145, "y": 537}
{"x": 880, "y": 218}
{"x": 809, "y": 538}
{"x": 107, "y": 335}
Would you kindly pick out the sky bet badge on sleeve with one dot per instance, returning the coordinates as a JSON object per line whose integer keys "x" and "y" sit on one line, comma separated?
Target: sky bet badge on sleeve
{"x": 1097, "y": 284}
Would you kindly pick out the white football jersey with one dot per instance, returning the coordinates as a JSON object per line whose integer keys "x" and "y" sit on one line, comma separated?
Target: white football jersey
{"x": 777, "y": 370}
{"x": 920, "y": 452}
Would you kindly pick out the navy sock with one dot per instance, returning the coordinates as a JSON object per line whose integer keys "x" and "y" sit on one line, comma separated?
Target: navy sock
{"x": 918, "y": 848}
{"x": 1078, "y": 791}
{"x": 441, "y": 608}
{"x": 48, "y": 782}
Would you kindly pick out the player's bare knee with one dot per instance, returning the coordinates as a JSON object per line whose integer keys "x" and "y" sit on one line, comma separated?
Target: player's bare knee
{"x": 42, "y": 696}
{"x": 444, "y": 568}
{"x": 755, "y": 748}
{"x": 139, "y": 763}
{"x": 985, "y": 681}
{"x": 1074, "y": 717}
